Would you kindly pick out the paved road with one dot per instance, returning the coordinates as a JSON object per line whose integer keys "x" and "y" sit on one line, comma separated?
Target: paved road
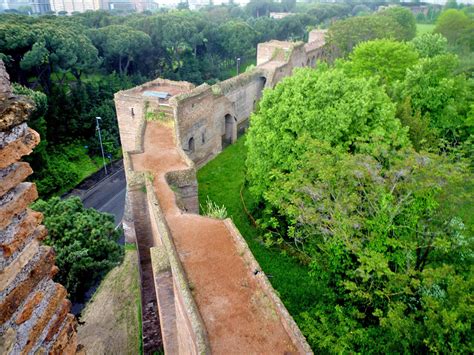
{"x": 108, "y": 196}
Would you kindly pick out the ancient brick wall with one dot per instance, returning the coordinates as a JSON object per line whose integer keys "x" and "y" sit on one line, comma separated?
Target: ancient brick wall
{"x": 132, "y": 104}
{"x": 203, "y": 120}
{"x": 34, "y": 310}
{"x": 207, "y": 118}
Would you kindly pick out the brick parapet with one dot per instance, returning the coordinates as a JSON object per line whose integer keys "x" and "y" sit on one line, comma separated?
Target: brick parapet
{"x": 285, "y": 318}
{"x": 34, "y": 310}
{"x": 200, "y": 117}
{"x": 193, "y": 334}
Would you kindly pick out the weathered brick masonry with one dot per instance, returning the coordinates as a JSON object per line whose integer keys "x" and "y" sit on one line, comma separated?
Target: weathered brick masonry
{"x": 34, "y": 311}
{"x": 210, "y": 295}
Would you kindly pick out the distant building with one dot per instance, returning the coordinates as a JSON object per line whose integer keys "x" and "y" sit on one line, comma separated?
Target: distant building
{"x": 279, "y": 15}
{"x": 35, "y": 6}
{"x": 441, "y": 2}
{"x": 197, "y": 4}
{"x": 169, "y": 4}
{"x": 71, "y": 6}
{"x": 125, "y": 5}
{"x": 40, "y": 6}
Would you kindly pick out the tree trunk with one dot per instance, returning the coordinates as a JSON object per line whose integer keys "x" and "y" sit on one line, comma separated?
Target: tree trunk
{"x": 125, "y": 70}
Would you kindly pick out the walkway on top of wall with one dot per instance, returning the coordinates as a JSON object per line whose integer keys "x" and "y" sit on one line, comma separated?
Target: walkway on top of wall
{"x": 235, "y": 311}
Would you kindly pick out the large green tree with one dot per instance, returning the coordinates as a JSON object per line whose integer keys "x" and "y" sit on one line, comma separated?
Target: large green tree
{"x": 395, "y": 255}
{"x": 441, "y": 96}
{"x": 386, "y": 58}
{"x": 344, "y": 35}
{"x": 326, "y": 104}
{"x": 389, "y": 231}
{"x": 85, "y": 242}
{"x": 405, "y": 19}
{"x": 457, "y": 27}
{"x": 122, "y": 45}
{"x": 237, "y": 38}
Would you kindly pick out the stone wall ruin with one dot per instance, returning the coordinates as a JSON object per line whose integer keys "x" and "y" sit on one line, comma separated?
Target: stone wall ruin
{"x": 203, "y": 120}
{"x": 208, "y": 118}
{"x": 34, "y": 311}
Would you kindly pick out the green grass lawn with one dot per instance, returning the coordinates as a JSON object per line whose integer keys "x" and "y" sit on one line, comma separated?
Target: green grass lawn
{"x": 221, "y": 180}
{"x": 422, "y": 28}
{"x": 243, "y": 66}
{"x": 83, "y": 164}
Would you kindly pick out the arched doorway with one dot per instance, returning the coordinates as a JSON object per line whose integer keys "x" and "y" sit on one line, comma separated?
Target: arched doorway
{"x": 262, "y": 82}
{"x": 191, "y": 145}
{"x": 229, "y": 123}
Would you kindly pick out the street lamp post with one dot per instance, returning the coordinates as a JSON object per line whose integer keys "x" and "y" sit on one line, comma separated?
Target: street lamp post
{"x": 97, "y": 119}
{"x": 238, "y": 65}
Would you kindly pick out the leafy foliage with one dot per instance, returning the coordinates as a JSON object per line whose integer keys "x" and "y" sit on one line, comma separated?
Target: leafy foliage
{"x": 85, "y": 242}
{"x": 120, "y": 45}
{"x": 457, "y": 27}
{"x": 383, "y": 226}
{"x": 344, "y": 35}
{"x": 384, "y": 244}
{"x": 441, "y": 97}
{"x": 327, "y": 105}
{"x": 405, "y": 19}
{"x": 386, "y": 58}
{"x": 430, "y": 45}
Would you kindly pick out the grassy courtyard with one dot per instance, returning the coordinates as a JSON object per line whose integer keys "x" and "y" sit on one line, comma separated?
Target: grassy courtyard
{"x": 422, "y": 28}
{"x": 221, "y": 180}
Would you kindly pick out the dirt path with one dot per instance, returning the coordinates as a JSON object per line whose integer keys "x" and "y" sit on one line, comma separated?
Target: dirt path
{"x": 235, "y": 311}
{"x": 110, "y": 319}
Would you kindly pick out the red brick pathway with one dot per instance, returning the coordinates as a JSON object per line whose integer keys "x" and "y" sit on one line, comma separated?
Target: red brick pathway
{"x": 235, "y": 311}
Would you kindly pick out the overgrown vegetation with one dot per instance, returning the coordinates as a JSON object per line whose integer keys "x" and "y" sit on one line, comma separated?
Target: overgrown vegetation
{"x": 85, "y": 242}
{"x": 364, "y": 168}
{"x": 354, "y": 187}
{"x": 212, "y": 209}
{"x": 80, "y": 61}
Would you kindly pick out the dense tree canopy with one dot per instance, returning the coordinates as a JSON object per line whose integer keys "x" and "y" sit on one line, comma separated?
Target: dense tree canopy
{"x": 327, "y": 105}
{"x": 344, "y": 35}
{"x": 79, "y": 61}
{"x": 430, "y": 45}
{"x": 345, "y": 180}
{"x": 457, "y": 27}
{"x": 388, "y": 231}
{"x": 441, "y": 96}
{"x": 85, "y": 242}
{"x": 404, "y": 18}
{"x": 386, "y": 58}
{"x": 121, "y": 45}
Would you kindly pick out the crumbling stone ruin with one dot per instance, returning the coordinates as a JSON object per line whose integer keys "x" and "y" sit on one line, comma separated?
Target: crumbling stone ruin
{"x": 198, "y": 272}
{"x": 34, "y": 311}
{"x": 208, "y": 118}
